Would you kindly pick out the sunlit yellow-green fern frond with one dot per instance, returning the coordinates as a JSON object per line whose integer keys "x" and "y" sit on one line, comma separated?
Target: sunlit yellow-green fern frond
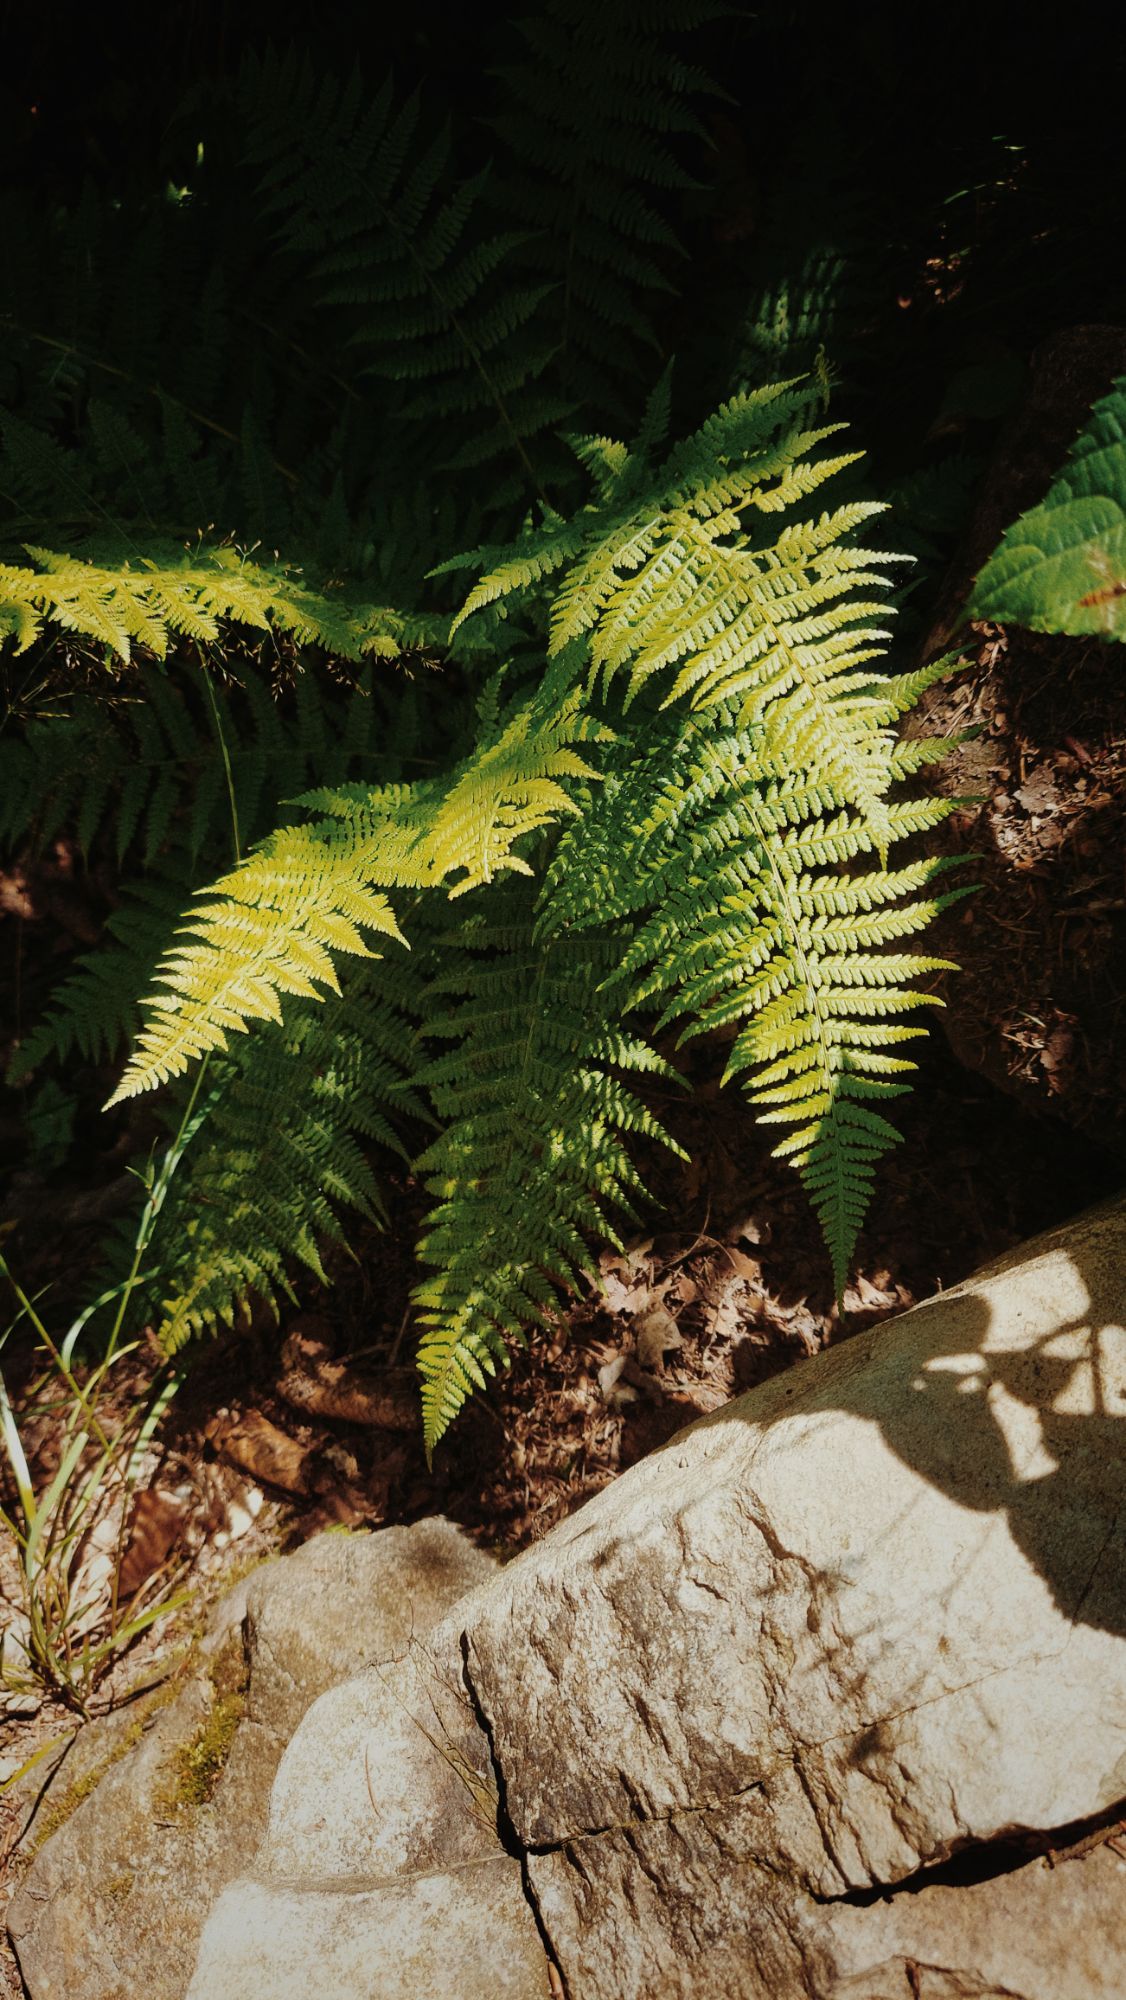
{"x": 531, "y": 1163}
{"x": 507, "y": 791}
{"x": 740, "y": 926}
{"x": 122, "y": 596}
{"x": 269, "y": 927}
{"x": 679, "y": 582}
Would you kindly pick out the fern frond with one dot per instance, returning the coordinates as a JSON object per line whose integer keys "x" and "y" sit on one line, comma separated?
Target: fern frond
{"x": 740, "y": 925}
{"x": 269, "y": 927}
{"x": 328, "y": 1086}
{"x": 675, "y": 572}
{"x": 596, "y": 112}
{"x": 531, "y": 1161}
{"x": 120, "y": 598}
{"x": 399, "y": 241}
{"x": 91, "y": 1013}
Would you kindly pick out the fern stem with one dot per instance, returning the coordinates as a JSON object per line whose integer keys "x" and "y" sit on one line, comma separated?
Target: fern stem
{"x": 153, "y": 1205}
{"x": 465, "y": 338}
{"x": 225, "y": 754}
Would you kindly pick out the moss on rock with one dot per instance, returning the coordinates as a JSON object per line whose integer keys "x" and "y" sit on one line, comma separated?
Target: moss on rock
{"x": 195, "y": 1767}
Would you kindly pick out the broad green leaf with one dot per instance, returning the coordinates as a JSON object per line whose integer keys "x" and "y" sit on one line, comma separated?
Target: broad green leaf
{"x": 1062, "y": 567}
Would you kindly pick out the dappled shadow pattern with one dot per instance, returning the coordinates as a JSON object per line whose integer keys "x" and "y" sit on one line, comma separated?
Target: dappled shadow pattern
{"x": 1016, "y": 1405}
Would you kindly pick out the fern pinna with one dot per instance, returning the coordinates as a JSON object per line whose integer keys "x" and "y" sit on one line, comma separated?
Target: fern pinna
{"x": 701, "y": 795}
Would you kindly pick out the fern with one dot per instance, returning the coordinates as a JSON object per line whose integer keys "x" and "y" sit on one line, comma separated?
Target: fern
{"x": 595, "y": 112}
{"x": 269, "y": 929}
{"x": 271, "y": 925}
{"x": 92, "y": 1012}
{"x": 137, "y": 773}
{"x": 744, "y": 921}
{"x": 531, "y": 1160}
{"x": 398, "y": 239}
{"x": 712, "y": 757}
{"x": 662, "y": 572}
{"x": 794, "y": 317}
{"x": 326, "y": 1088}
{"x": 166, "y": 783}
{"x": 646, "y": 775}
{"x": 122, "y": 597}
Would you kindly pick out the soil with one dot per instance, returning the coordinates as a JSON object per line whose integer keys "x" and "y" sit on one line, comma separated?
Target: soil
{"x": 1037, "y": 1005}
{"x": 1038, "y": 1002}
{"x": 727, "y": 1284}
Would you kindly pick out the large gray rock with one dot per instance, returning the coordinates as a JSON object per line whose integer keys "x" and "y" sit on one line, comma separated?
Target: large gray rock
{"x": 779, "y": 1716}
{"x": 170, "y": 1804}
{"x": 862, "y": 1619}
{"x": 383, "y": 1875}
{"x": 1043, "y": 1930}
{"x": 870, "y": 1572}
{"x": 769, "y": 1718}
{"x": 467, "y": 1933}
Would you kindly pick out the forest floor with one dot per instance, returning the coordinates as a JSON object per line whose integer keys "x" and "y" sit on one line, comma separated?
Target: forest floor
{"x": 724, "y": 1284}
{"x": 727, "y": 1285}
{"x": 285, "y": 1429}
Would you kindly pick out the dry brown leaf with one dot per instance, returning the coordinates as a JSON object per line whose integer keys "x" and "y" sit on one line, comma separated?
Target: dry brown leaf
{"x": 870, "y": 1294}
{"x": 655, "y": 1334}
{"x": 723, "y": 1295}
{"x": 744, "y": 1266}
{"x": 155, "y": 1524}
{"x": 255, "y": 1445}
{"x": 619, "y": 1297}
{"x": 316, "y": 1383}
{"x": 386, "y": 1401}
{"x": 608, "y": 1375}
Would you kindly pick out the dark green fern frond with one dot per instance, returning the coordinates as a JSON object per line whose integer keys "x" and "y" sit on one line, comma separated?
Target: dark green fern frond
{"x": 793, "y": 318}
{"x": 596, "y": 108}
{"x": 135, "y": 771}
{"x": 531, "y": 1161}
{"x": 92, "y": 1013}
{"x": 401, "y": 244}
{"x": 283, "y": 1150}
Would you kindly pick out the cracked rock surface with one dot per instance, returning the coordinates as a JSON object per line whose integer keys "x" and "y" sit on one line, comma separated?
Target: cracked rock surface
{"x": 865, "y": 1619}
{"x": 820, "y": 1702}
{"x": 112, "y": 1905}
{"x": 383, "y": 1872}
{"x": 825, "y": 1700}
